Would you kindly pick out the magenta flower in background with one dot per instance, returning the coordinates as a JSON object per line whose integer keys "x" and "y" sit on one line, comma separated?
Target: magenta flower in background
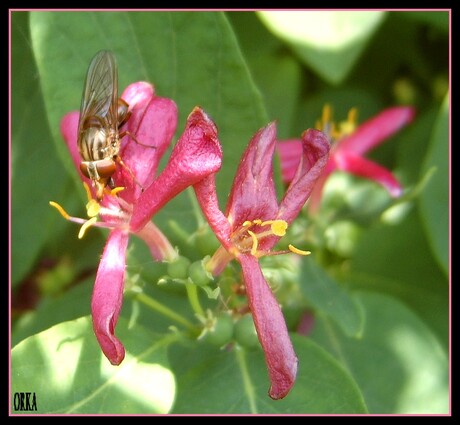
{"x": 347, "y": 153}
{"x": 252, "y": 224}
{"x": 196, "y": 155}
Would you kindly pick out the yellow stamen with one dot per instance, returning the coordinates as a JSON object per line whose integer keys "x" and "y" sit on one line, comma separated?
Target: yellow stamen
{"x": 349, "y": 126}
{"x": 115, "y": 190}
{"x": 325, "y": 124}
{"x": 92, "y": 208}
{"x": 295, "y": 250}
{"x": 255, "y": 242}
{"x": 60, "y": 209}
{"x": 277, "y": 228}
{"x": 345, "y": 128}
{"x": 85, "y": 226}
{"x": 353, "y": 115}
{"x": 327, "y": 114}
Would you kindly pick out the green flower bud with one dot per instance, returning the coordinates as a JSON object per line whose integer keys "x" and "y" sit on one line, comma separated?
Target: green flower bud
{"x": 178, "y": 269}
{"x": 198, "y": 275}
{"x": 221, "y": 332}
{"x": 245, "y": 332}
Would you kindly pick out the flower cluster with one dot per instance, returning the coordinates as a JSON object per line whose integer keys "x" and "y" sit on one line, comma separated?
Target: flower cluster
{"x": 129, "y": 211}
{"x": 252, "y": 224}
{"x": 249, "y": 228}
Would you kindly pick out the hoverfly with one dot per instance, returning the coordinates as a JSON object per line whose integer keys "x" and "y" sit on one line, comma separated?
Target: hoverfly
{"x": 102, "y": 113}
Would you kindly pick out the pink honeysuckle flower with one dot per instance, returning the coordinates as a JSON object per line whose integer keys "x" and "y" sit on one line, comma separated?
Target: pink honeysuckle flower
{"x": 252, "y": 224}
{"x": 347, "y": 152}
{"x": 129, "y": 211}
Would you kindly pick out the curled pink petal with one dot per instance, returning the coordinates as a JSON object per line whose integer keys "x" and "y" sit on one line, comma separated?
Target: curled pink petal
{"x": 271, "y": 329}
{"x": 362, "y": 167}
{"x": 206, "y": 195}
{"x": 160, "y": 247}
{"x": 375, "y": 130}
{"x": 253, "y": 198}
{"x": 315, "y": 154}
{"x": 108, "y": 295}
{"x": 152, "y": 123}
{"x": 145, "y": 137}
{"x": 314, "y": 201}
{"x": 289, "y": 152}
{"x": 253, "y": 192}
{"x": 139, "y": 93}
{"x": 196, "y": 155}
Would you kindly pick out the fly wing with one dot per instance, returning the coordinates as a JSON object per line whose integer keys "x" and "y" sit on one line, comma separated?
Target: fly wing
{"x": 100, "y": 93}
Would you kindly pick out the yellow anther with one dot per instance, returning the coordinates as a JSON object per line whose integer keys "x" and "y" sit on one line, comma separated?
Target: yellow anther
{"x": 327, "y": 114}
{"x": 349, "y": 126}
{"x": 115, "y": 190}
{"x": 353, "y": 115}
{"x": 89, "y": 223}
{"x": 92, "y": 208}
{"x": 295, "y": 250}
{"x": 325, "y": 124}
{"x": 255, "y": 242}
{"x": 345, "y": 128}
{"x": 278, "y": 227}
{"x": 60, "y": 209}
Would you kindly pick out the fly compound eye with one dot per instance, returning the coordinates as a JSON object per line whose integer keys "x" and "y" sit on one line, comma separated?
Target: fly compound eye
{"x": 98, "y": 170}
{"x": 84, "y": 169}
{"x": 105, "y": 168}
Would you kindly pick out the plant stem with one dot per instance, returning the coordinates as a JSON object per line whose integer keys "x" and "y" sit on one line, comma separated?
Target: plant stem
{"x": 247, "y": 384}
{"x": 166, "y": 311}
{"x": 192, "y": 294}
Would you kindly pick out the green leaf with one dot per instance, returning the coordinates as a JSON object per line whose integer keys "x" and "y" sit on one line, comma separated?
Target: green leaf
{"x": 191, "y": 57}
{"x": 277, "y": 72}
{"x": 434, "y": 200}
{"x": 398, "y": 363}
{"x": 68, "y": 373}
{"x": 72, "y": 304}
{"x": 329, "y": 42}
{"x": 397, "y": 260}
{"x": 236, "y": 382}
{"x": 37, "y": 176}
{"x": 435, "y": 18}
{"x": 414, "y": 145}
{"x": 330, "y": 299}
